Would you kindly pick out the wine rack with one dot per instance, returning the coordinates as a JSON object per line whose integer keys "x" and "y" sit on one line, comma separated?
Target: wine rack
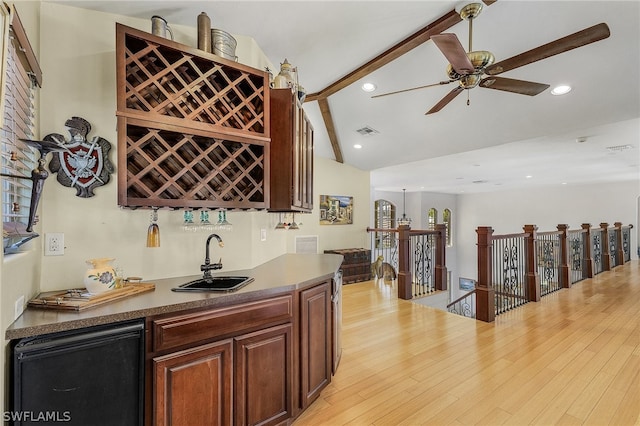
{"x": 169, "y": 168}
{"x": 193, "y": 128}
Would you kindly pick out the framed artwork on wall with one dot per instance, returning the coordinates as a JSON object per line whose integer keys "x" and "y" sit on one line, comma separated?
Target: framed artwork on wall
{"x": 336, "y": 210}
{"x": 467, "y": 284}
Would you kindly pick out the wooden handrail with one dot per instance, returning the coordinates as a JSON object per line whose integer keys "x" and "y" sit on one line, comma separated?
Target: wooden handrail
{"x": 464, "y": 296}
{"x": 413, "y": 232}
{"x": 507, "y": 236}
{"x": 577, "y": 231}
{"x": 381, "y": 229}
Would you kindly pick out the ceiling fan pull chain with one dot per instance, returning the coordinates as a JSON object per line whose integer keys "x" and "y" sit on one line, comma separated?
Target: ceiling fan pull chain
{"x": 468, "y": 101}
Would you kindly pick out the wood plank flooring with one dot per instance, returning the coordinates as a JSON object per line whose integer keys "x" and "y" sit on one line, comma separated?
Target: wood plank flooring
{"x": 573, "y": 358}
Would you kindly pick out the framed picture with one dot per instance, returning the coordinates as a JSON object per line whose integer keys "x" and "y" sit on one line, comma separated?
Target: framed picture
{"x": 336, "y": 210}
{"x": 467, "y": 284}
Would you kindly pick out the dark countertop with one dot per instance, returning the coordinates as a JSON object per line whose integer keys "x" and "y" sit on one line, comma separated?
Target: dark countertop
{"x": 283, "y": 274}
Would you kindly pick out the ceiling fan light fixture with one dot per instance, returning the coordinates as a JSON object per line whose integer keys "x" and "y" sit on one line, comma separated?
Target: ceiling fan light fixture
{"x": 369, "y": 87}
{"x": 561, "y": 90}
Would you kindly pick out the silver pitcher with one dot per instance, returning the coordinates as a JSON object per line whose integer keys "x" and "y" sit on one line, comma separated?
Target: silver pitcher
{"x": 160, "y": 27}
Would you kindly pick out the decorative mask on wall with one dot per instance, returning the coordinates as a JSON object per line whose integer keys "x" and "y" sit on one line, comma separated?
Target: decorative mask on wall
{"x": 82, "y": 165}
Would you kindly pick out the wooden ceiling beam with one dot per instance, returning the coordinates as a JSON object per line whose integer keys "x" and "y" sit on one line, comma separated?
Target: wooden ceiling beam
{"x": 328, "y": 122}
{"x": 414, "y": 40}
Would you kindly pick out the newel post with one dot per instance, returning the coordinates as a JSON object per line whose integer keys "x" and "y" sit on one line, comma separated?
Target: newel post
{"x": 606, "y": 256}
{"x": 531, "y": 264}
{"x": 404, "y": 263}
{"x": 565, "y": 282}
{"x": 620, "y": 252}
{"x": 587, "y": 262}
{"x": 485, "y": 293}
{"x": 441, "y": 263}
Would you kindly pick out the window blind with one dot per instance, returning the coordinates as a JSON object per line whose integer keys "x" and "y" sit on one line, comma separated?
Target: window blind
{"x": 19, "y": 86}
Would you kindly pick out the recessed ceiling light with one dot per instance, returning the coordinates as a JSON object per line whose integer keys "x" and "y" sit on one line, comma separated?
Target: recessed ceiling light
{"x": 528, "y": 176}
{"x": 368, "y": 87}
{"x": 561, "y": 90}
{"x": 357, "y": 146}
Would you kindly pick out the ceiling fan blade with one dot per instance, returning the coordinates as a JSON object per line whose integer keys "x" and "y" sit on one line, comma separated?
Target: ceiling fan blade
{"x": 452, "y": 49}
{"x": 413, "y": 88}
{"x": 444, "y": 101}
{"x": 564, "y": 44}
{"x": 514, "y": 86}
{"x": 489, "y": 2}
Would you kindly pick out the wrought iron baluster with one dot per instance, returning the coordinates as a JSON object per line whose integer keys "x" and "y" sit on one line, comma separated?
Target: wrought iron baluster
{"x": 597, "y": 251}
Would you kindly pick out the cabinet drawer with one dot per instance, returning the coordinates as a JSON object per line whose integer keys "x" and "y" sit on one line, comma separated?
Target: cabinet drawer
{"x": 189, "y": 329}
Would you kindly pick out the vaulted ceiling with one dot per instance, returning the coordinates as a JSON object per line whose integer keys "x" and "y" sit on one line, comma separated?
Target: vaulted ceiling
{"x": 483, "y": 140}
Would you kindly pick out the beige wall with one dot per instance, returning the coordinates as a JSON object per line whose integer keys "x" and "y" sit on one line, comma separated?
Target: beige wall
{"x": 19, "y": 273}
{"x": 84, "y": 76}
{"x": 77, "y": 55}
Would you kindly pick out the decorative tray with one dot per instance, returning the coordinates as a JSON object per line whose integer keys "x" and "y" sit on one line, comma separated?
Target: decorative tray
{"x": 77, "y": 299}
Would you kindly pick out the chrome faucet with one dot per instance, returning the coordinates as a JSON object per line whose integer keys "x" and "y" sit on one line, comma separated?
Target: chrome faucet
{"x": 208, "y": 266}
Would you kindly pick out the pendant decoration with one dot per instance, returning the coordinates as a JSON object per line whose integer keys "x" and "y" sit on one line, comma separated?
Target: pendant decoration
{"x": 82, "y": 164}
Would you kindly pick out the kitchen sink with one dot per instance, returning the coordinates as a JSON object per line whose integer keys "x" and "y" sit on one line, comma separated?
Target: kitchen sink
{"x": 219, "y": 284}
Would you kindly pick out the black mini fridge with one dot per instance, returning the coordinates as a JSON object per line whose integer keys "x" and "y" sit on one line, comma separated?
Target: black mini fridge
{"x": 91, "y": 376}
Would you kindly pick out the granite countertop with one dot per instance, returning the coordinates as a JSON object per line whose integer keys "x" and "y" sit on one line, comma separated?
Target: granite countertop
{"x": 283, "y": 274}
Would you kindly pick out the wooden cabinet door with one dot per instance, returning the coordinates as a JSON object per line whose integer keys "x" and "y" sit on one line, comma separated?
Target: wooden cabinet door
{"x": 315, "y": 341}
{"x": 264, "y": 376}
{"x": 291, "y": 154}
{"x": 194, "y": 386}
{"x": 307, "y": 158}
{"x": 298, "y": 156}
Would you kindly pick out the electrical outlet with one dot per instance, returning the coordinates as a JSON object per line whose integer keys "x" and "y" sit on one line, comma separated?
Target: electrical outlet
{"x": 54, "y": 244}
{"x": 263, "y": 234}
{"x": 18, "y": 308}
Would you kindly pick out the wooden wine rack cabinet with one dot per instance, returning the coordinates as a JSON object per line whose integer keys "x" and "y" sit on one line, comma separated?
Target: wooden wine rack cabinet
{"x": 193, "y": 128}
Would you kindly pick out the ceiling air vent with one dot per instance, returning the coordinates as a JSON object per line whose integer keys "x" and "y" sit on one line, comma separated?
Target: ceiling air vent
{"x": 367, "y": 130}
{"x": 619, "y": 148}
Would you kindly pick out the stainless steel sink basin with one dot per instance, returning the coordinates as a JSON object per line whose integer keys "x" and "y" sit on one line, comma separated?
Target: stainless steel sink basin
{"x": 219, "y": 284}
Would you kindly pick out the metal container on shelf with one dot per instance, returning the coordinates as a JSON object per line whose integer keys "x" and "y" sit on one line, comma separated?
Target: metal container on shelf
{"x": 204, "y": 32}
{"x": 223, "y": 44}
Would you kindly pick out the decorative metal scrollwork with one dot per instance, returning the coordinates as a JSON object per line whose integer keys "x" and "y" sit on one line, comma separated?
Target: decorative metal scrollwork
{"x": 423, "y": 262}
{"x": 576, "y": 254}
{"x": 548, "y": 261}
{"x": 613, "y": 243}
{"x": 510, "y": 268}
{"x": 463, "y": 308}
{"x": 625, "y": 243}
{"x": 394, "y": 257}
{"x": 597, "y": 250}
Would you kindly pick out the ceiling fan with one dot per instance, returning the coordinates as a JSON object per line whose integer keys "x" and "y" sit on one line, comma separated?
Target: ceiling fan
{"x": 478, "y": 68}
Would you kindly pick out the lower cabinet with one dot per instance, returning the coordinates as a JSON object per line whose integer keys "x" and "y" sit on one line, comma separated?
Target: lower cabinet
{"x": 256, "y": 363}
{"x": 193, "y": 387}
{"x": 263, "y": 377}
{"x": 315, "y": 341}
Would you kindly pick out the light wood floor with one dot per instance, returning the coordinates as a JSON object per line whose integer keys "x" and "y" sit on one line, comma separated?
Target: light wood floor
{"x": 573, "y": 358}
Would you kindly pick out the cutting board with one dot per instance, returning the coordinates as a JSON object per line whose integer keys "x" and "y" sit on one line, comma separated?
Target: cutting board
{"x": 77, "y": 299}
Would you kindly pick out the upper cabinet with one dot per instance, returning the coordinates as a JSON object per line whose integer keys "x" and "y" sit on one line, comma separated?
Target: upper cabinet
{"x": 193, "y": 128}
{"x": 291, "y": 154}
